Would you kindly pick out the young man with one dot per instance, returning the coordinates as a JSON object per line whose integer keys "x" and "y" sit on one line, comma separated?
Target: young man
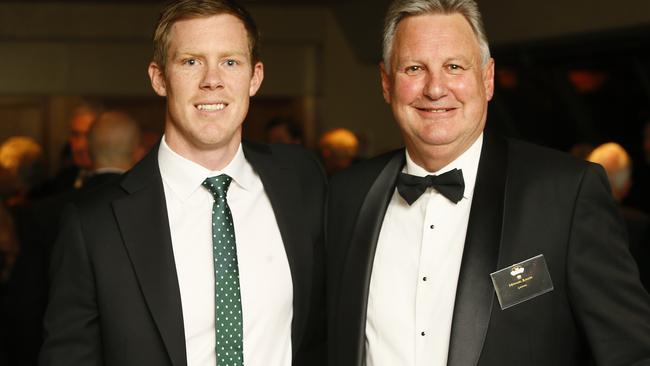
{"x": 209, "y": 250}
{"x": 415, "y": 237}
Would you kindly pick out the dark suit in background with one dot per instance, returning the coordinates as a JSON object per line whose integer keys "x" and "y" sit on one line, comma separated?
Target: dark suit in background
{"x": 99, "y": 179}
{"x": 618, "y": 167}
{"x": 113, "y": 141}
{"x": 638, "y": 227}
{"x": 27, "y": 289}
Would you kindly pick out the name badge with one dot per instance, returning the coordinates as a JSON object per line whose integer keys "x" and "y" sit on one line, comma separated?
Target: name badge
{"x": 522, "y": 281}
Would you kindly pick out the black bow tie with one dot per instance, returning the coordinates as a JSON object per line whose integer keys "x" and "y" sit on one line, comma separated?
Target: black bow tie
{"x": 449, "y": 184}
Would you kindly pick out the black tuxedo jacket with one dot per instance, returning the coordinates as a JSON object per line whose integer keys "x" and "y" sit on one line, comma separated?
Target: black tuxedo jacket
{"x": 114, "y": 297}
{"x": 527, "y": 201}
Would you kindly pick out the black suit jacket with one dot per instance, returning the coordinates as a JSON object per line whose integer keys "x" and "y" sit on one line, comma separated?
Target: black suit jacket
{"x": 527, "y": 201}
{"x": 114, "y": 297}
{"x": 638, "y": 228}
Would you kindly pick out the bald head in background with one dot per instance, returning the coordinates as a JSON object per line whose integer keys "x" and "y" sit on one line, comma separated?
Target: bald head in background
{"x": 618, "y": 166}
{"x": 338, "y": 149}
{"x": 114, "y": 142}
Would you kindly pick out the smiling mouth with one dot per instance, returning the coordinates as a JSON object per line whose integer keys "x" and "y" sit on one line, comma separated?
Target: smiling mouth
{"x": 435, "y": 110}
{"x": 211, "y": 107}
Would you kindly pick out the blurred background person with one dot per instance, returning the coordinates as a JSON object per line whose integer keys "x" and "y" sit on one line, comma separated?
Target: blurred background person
{"x": 22, "y": 166}
{"x": 283, "y": 130}
{"x": 618, "y": 166}
{"x": 75, "y": 161}
{"x": 114, "y": 145}
{"x": 22, "y": 158}
{"x": 8, "y": 252}
{"x": 8, "y": 246}
{"x": 639, "y": 196}
{"x": 338, "y": 149}
{"x": 21, "y": 169}
{"x": 8, "y": 241}
{"x": 80, "y": 124}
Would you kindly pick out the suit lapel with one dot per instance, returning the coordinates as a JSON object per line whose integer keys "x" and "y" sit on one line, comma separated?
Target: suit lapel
{"x": 355, "y": 280}
{"x": 142, "y": 218}
{"x": 475, "y": 294}
{"x": 281, "y": 185}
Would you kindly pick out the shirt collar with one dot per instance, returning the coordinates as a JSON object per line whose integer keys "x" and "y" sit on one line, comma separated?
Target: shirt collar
{"x": 467, "y": 162}
{"x": 184, "y": 176}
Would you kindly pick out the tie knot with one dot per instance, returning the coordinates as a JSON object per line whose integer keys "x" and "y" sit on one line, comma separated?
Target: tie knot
{"x": 218, "y": 185}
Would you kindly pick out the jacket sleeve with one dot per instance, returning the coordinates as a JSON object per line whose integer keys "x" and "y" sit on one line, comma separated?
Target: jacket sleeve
{"x": 604, "y": 288}
{"x": 72, "y": 332}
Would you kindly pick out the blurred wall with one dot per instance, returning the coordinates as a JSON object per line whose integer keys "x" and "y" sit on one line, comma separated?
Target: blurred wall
{"x": 51, "y": 51}
{"x": 509, "y": 21}
{"x": 79, "y": 49}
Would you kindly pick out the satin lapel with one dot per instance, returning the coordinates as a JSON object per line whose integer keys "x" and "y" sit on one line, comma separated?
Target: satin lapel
{"x": 142, "y": 217}
{"x": 475, "y": 294}
{"x": 355, "y": 280}
{"x": 281, "y": 185}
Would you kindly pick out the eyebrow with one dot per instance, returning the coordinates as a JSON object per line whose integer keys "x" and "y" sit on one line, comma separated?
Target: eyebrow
{"x": 463, "y": 59}
{"x": 221, "y": 54}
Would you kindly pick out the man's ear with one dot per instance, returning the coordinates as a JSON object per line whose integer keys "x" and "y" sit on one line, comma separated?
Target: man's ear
{"x": 157, "y": 77}
{"x": 385, "y": 82}
{"x": 488, "y": 79}
{"x": 256, "y": 78}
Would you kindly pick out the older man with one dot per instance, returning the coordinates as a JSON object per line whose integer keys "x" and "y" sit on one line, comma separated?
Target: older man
{"x": 466, "y": 248}
{"x": 208, "y": 250}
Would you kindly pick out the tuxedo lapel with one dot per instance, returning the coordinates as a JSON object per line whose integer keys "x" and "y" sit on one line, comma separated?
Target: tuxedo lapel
{"x": 355, "y": 280}
{"x": 142, "y": 218}
{"x": 475, "y": 294}
{"x": 281, "y": 184}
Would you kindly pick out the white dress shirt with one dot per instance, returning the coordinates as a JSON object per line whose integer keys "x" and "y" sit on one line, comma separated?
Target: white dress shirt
{"x": 415, "y": 272}
{"x": 265, "y": 278}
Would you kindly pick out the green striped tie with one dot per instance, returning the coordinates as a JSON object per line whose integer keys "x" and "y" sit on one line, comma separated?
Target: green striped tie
{"x": 228, "y": 314}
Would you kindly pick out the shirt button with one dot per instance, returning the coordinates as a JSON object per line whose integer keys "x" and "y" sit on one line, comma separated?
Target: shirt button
{"x": 424, "y": 278}
{"x": 423, "y": 334}
{"x": 432, "y": 227}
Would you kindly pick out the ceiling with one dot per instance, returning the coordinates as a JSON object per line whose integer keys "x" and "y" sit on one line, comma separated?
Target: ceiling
{"x": 507, "y": 22}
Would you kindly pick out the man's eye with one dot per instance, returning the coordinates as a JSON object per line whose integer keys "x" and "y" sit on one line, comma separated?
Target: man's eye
{"x": 231, "y": 62}
{"x": 190, "y": 62}
{"x": 454, "y": 67}
{"x": 410, "y": 70}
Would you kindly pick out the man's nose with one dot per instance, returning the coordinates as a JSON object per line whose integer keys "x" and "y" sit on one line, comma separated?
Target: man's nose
{"x": 436, "y": 85}
{"x": 212, "y": 78}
